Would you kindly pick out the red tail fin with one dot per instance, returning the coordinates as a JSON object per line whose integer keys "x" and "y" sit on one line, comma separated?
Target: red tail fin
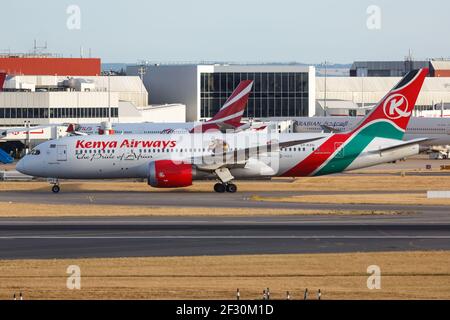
{"x": 71, "y": 128}
{"x": 2, "y": 80}
{"x": 398, "y": 104}
{"x": 233, "y": 109}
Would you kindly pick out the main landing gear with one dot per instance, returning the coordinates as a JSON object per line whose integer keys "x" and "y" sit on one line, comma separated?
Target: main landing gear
{"x": 222, "y": 187}
{"x": 225, "y": 184}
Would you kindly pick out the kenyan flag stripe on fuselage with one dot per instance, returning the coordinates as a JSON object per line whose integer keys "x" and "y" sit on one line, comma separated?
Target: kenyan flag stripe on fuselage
{"x": 356, "y": 143}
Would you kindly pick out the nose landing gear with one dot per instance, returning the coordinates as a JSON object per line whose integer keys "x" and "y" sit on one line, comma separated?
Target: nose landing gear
{"x": 55, "y": 188}
{"x": 222, "y": 187}
{"x": 55, "y": 185}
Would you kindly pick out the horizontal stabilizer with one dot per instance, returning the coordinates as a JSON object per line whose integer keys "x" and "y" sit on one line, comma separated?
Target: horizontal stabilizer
{"x": 402, "y": 144}
{"x": 328, "y": 129}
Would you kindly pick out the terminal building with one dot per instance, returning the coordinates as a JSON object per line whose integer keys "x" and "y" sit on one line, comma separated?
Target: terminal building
{"x": 40, "y": 100}
{"x": 437, "y": 67}
{"x": 278, "y": 90}
{"x": 290, "y": 91}
{"x": 48, "y": 64}
{"x": 44, "y": 88}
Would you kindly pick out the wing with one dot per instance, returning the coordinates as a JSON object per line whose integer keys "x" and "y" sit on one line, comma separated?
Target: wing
{"x": 239, "y": 157}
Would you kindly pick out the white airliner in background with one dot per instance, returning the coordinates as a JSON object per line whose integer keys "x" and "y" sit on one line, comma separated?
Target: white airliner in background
{"x": 175, "y": 160}
{"x": 437, "y": 130}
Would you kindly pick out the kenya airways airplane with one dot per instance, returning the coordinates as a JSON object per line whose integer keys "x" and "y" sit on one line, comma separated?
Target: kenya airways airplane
{"x": 175, "y": 160}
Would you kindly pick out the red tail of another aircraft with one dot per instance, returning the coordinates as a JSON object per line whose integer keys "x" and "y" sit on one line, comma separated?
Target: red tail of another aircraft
{"x": 233, "y": 109}
{"x": 229, "y": 116}
{"x": 2, "y": 80}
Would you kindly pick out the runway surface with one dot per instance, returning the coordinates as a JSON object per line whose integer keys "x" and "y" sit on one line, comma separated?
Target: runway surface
{"x": 425, "y": 227}
{"x": 201, "y": 199}
{"x": 129, "y": 237}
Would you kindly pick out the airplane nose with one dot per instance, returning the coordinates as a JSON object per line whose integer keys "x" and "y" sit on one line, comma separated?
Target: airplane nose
{"x": 20, "y": 166}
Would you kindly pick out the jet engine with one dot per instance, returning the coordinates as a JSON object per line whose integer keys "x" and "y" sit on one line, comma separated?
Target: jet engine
{"x": 168, "y": 174}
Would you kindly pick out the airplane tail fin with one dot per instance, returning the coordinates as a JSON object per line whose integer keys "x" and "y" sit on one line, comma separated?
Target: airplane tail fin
{"x": 395, "y": 109}
{"x": 2, "y": 80}
{"x": 233, "y": 109}
{"x": 71, "y": 128}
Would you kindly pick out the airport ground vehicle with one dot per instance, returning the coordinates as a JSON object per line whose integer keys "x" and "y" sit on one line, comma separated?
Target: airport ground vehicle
{"x": 175, "y": 160}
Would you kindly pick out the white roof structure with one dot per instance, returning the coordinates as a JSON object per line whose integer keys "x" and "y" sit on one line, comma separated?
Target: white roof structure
{"x": 129, "y": 88}
{"x": 369, "y": 90}
{"x": 440, "y": 64}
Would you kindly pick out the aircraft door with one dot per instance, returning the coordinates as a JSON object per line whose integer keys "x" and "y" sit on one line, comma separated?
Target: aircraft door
{"x": 61, "y": 152}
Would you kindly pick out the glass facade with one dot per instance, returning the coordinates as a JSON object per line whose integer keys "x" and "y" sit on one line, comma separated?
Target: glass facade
{"x": 274, "y": 94}
{"x": 45, "y": 113}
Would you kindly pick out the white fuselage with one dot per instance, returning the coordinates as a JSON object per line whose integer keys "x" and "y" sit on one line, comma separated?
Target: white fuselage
{"x": 129, "y": 156}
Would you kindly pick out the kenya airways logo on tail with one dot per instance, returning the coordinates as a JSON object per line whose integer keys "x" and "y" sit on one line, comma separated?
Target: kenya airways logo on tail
{"x": 396, "y": 107}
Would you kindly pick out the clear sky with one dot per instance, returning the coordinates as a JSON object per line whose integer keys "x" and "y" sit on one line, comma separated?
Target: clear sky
{"x": 231, "y": 30}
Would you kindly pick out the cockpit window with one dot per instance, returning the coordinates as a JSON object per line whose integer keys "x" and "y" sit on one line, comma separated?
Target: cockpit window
{"x": 35, "y": 152}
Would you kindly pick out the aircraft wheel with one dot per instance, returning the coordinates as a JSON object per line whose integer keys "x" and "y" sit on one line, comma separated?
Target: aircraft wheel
{"x": 55, "y": 188}
{"x": 231, "y": 187}
{"x": 219, "y": 187}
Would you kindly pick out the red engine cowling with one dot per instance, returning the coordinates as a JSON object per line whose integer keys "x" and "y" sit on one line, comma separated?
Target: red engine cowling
{"x": 167, "y": 174}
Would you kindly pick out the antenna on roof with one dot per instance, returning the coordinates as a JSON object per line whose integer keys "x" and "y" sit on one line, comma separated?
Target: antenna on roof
{"x": 39, "y": 50}
{"x": 409, "y": 62}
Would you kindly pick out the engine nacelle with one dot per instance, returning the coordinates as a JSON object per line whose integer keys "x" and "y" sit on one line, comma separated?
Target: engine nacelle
{"x": 167, "y": 174}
